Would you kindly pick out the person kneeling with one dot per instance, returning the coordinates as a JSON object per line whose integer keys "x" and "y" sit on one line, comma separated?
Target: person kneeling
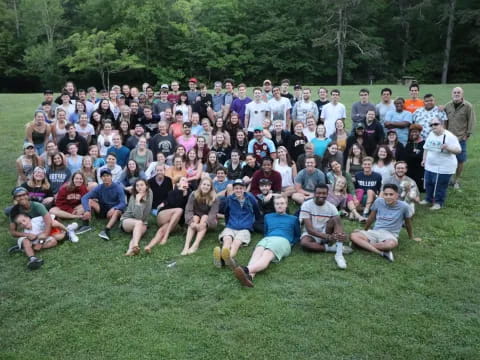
{"x": 389, "y": 213}
{"x": 282, "y": 231}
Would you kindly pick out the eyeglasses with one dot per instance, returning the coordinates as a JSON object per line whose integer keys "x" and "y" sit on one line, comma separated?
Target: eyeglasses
{"x": 434, "y": 124}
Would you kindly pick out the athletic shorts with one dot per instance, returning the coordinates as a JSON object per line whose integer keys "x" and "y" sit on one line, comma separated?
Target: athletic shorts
{"x": 242, "y": 235}
{"x": 54, "y": 231}
{"x": 462, "y": 157}
{"x": 318, "y": 240}
{"x": 280, "y": 246}
{"x": 378, "y": 236}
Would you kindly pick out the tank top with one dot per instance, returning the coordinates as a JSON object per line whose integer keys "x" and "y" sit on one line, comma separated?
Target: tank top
{"x": 286, "y": 173}
{"x": 27, "y": 168}
{"x": 59, "y": 133}
{"x": 354, "y": 168}
{"x": 38, "y": 137}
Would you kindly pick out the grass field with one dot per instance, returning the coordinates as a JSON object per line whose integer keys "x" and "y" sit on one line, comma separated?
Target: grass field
{"x": 90, "y": 302}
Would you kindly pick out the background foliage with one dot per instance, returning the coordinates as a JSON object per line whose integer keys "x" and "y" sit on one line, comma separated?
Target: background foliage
{"x": 162, "y": 40}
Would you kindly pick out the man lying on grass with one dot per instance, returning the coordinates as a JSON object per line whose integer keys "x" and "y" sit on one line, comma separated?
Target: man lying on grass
{"x": 282, "y": 231}
{"x": 389, "y": 213}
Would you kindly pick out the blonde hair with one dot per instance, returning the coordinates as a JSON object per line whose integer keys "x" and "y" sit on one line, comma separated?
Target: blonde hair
{"x": 344, "y": 190}
{"x": 208, "y": 198}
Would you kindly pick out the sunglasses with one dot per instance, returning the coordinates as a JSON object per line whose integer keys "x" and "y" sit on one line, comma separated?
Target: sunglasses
{"x": 434, "y": 124}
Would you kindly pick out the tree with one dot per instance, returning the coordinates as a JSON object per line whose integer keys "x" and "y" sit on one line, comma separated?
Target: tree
{"x": 448, "y": 44}
{"x": 98, "y": 52}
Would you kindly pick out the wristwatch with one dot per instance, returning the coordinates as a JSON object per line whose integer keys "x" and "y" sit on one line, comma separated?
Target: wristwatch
{"x": 42, "y": 242}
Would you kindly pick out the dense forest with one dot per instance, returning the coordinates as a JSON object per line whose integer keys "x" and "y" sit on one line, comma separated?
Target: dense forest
{"x": 98, "y": 42}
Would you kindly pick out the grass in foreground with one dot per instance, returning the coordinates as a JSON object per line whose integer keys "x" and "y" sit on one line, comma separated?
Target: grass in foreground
{"x": 89, "y": 301}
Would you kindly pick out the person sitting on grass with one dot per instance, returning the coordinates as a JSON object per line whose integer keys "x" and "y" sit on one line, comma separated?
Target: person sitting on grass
{"x": 68, "y": 203}
{"x": 282, "y": 232}
{"x": 107, "y": 200}
{"x": 265, "y": 204}
{"x": 170, "y": 212}
{"x": 222, "y": 187}
{"x": 135, "y": 217}
{"x": 200, "y": 214}
{"x": 241, "y": 211}
{"x": 367, "y": 184}
{"x": 36, "y": 238}
{"x": 389, "y": 214}
{"x": 306, "y": 181}
{"x": 322, "y": 227}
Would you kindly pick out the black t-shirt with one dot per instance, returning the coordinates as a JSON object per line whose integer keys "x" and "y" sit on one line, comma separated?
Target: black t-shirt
{"x": 160, "y": 192}
{"x": 368, "y": 182}
{"x": 320, "y": 105}
{"x": 201, "y": 105}
{"x": 297, "y": 146}
{"x": 162, "y": 143}
{"x": 248, "y": 171}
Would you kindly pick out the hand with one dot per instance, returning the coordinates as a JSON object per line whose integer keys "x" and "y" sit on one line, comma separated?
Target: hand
{"x": 31, "y": 237}
{"x": 139, "y": 197}
{"x": 423, "y": 163}
{"x": 417, "y": 239}
{"x": 110, "y": 213}
{"x": 444, "y": 147}
{"x": 87, "y": 215}
{"x": 339, "y": 236}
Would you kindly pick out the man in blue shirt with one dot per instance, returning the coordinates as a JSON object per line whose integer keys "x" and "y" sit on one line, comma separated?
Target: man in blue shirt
{"x": 282, "y": 231}
{"x": 389, "y": 214}
{"x": 110, "y": 203}
{"x": 241, "y": 211}
{"x": 400, "y": 120}
{"x": 122, "y": 152}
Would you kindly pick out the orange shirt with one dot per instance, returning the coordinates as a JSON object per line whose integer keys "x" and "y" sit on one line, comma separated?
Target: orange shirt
{"x": 412, "y": 105}
{"x": 173, "y": 173}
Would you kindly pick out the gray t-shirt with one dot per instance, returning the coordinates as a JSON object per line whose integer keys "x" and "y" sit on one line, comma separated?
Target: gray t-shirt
{"x": 309, "y": 181}
{"x": 390, "y": 218}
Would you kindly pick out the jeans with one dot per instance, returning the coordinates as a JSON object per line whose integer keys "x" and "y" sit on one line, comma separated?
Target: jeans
{"x": 436, "y": 186}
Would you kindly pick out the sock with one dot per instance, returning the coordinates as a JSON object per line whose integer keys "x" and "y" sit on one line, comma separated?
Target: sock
{"x": 339, "y": 248}
{"x": 107, "y": 230}
{"x": 330, "y": 248}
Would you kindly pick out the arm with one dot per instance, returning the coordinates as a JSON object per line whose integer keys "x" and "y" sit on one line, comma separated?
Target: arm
{"x": 409, "y": 227}
{"x": 48, "y": 226}
{"x": 371, "y": 219}
{"x": 312, "y": 231}
{"x": 189, "y": 209}
{"x": 28, "y": 133}
{"x": 247, "y": 118}
{"x": 212, "y": 214}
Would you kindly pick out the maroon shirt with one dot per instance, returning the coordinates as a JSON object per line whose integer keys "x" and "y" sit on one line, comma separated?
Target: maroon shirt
{"x": 274, "y": 177}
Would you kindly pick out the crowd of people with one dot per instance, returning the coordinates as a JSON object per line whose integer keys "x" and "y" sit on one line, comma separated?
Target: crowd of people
{"x": 191, "y": 158}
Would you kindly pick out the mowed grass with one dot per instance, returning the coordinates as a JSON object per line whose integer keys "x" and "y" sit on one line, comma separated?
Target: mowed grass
{"x": 90, "y": 302}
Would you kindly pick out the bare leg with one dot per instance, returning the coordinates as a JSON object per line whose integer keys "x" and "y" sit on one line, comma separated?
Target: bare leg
{"x": 63, "y": 214}
{"x": 191, "y": 231}
{"x": 113, "y": 219}
{"x": 299, "y": 198}
{"x": 370, "y": 199}
{"x": 227, "y": 242}
{"x": 308, "y": 243}
{"x": 157, "y": 238}
{"x": 386, "y": 245}
{"x": 137, "y": 228}
{"x": 262, "y": 263}
{"x": 202, "y": 228}
{"x": 27, "y": 247}
{"x": 234, "y": 247}
{"x": 459, "y": 171}
{"x": 173, "y": 221}
{"x": 362, "y": 241}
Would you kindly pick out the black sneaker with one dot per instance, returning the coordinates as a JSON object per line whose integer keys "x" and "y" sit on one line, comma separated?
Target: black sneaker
{"x": 34, "y": 263}
{"x": 14, "y": 249}
{"x": 83, "y": 229}
{"x": 104, "y": 234}
{"x": 242, "y": 274}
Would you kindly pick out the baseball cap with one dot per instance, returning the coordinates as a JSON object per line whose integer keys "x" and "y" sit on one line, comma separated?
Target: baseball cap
{"x": 19, "y": 190}
{"x": 238, "y": 182}
{"x": 120, "y": 96}
{"x": 47, "y": 91}
{"x": 258, "y": 128}
{"x": 164, "y": 86}
{"x": 267, "y": 82}
{"x": 194, "y": 80}
{"x": 105, "y": 172}
{"x": 27, "y": 145}
{"x": 265, "y": 181}
{"x": 297, "y": 87}
{"x": 179, "y": 112}
{"x": 359, "y": 125}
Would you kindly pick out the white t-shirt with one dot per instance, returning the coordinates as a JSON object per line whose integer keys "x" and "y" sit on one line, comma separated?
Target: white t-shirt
{"x": 286, "y": 173}
{"x": 310, "y": 135}
{"x": 257, "y": 112}
{"x": 330, "y": 114}
{"x": 86, "y": 131}
{"x": 438, "y": 161}
{"x": 279, "y": 108}
{"x": 319, "y": 215}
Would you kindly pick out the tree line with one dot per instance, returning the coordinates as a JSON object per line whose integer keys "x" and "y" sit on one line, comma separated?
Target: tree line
{"x": 95, "y": 42}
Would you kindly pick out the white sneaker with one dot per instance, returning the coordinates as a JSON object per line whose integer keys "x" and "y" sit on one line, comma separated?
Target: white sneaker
{"x": 456, "y": 186}
{"x": 436, "y": 207}
{"x": 72, "y": 227}
{"x": 340, "y": 260}
{"x": 424, "y": 202}
{"x": 72, "y": 236}
{"x": 388, "y": 255}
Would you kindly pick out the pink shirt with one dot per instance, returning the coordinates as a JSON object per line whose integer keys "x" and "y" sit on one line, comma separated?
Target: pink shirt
{"x": 188, "y": 143}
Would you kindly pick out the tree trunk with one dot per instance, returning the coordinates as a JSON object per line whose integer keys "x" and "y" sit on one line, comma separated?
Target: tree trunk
{"x": 448, "y": 44}
{"x": 405, "y": 23}
{"x": 17, "y": 23}
{"x": 341, "y": 43}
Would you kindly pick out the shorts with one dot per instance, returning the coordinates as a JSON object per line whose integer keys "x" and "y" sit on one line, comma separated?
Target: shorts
{"x": 242, "y": 235}
{"x": 318, "y": 240}
{"x": 280, "y": 246}
{"x": 462, "y": 157}
{"x": 36, "y": 241}
{"x": 378, "y": 236}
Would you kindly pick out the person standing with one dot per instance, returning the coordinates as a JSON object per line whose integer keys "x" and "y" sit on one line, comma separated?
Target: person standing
{"x": 384, "y": 106}
{"x": 333, "y": 111}
{"x": 440, "y": 163}
{"x": 360, "y": 108}
{"x": 305, "y": 107}
{"x": 460, "y": 121}
{"x": 414, "y": 102}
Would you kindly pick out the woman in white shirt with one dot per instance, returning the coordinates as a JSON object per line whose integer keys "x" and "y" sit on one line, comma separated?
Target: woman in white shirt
{"x": 384, "y": 163}
{"x": 440, "y": 162}
{"x": 287, "y": 169}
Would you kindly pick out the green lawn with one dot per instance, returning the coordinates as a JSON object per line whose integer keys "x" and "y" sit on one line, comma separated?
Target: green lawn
{"x": 90, "y": 302}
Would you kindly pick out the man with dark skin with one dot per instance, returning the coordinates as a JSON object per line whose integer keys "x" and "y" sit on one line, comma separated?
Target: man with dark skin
{"x": 322, "y": 228}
